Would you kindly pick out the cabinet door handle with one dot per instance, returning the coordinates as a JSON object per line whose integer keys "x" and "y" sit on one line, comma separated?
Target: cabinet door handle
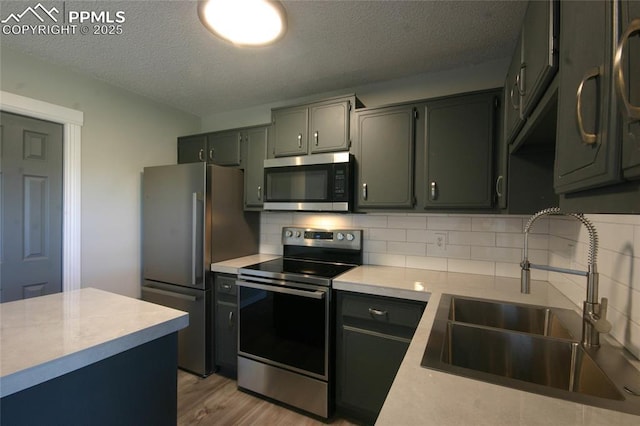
{"x": 498, "y": 181}
{"x": 515, "y": 105}
{"x": 299, "y": 140}
{"x": 226, "y": 286}
{"x": 520, "y": 79}
{"x": 259, "y": 192}
{"x": 211, "y": 153}
{"x": 230, "y": 322}
{"x": 633, "y": 111}
{"x": 315, "y": 136}
{"x": 588, "y": 138}
{"x": 201, "y": 154}
{"x": 377, "y": 312}
{"x": 364, "y": 191}
{"x": 433, "y": 189}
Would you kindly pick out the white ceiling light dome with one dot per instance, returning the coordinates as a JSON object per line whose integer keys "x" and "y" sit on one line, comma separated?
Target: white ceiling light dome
{"x": 244, "y": 22}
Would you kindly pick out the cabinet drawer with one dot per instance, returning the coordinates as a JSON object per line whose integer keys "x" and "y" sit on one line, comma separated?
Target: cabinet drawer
{"x": 382, "y": 310}
{"x": 226, "y": 284}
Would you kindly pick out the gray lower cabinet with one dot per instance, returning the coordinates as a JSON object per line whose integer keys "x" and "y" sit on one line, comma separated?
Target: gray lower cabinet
{"x": 226, "y": 325}
{"x": 372, "y": 337}
{"x": 587, "y": 150}
{"x": 255, "y": 146}
{"x": 384, "y": 153}
{"x": 459, "y": 137}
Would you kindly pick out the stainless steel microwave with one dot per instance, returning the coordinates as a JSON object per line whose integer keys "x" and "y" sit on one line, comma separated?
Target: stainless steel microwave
{"x": 318, "y": 182}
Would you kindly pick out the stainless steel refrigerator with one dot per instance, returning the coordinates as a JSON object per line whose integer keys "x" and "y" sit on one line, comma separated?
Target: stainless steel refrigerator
{"x": 192, "y": 215}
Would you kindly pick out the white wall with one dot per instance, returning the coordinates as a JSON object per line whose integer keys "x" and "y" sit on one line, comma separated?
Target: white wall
{"x": 423, "y": 86}
{"x": 492, "y": 245}
{"x": 122, "y": 133}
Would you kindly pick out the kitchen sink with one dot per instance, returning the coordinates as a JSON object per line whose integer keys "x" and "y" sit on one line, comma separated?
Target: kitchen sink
{"x": 517, "y": 317}
{"x": 531, "y": 348}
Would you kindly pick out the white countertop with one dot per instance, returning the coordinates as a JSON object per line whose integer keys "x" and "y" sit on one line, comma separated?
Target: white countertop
{"x": 421, "y": 396}
{"x": 45, "y": 337}
{"x": 231, "y": 266}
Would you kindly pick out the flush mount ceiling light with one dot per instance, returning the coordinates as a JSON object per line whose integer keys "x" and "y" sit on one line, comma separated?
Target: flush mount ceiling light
{"x": 244, "y": 22}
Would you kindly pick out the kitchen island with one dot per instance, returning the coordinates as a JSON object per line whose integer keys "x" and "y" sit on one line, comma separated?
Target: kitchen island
{"x": 88, "y": 357}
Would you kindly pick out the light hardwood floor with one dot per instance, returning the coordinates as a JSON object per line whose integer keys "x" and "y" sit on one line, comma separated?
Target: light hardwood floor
{"x": 215, "y": 400}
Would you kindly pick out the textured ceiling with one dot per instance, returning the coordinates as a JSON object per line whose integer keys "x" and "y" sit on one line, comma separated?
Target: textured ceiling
{"x": 165, "y": 53}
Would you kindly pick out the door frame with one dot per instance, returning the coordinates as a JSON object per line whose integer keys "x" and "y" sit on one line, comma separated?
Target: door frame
{"x": 72, "y": 121}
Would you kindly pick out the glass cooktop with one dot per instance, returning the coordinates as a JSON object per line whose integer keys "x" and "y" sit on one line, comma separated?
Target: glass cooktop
{"x": 297, "y": 270}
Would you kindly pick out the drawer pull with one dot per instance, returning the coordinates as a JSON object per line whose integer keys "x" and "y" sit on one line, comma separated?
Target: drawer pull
{"x": 377, "y": 313}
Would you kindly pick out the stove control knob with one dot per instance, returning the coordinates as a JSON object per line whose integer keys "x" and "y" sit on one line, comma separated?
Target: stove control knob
{"x": 297, "y": 234}
{"x": 288, "y": 234}
{"x": 350, "y": 237}
{"x": 340, "y": 236}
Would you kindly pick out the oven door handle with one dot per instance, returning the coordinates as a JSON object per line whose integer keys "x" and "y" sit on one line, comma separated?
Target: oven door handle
{"x": 292, "y": 291}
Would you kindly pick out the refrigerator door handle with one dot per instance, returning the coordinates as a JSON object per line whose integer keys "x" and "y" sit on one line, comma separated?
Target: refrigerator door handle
{"x": 170, "y": 294}
{"x": 194, "y": 235}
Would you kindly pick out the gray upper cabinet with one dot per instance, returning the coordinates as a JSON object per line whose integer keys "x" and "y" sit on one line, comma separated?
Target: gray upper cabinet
{"x": 313, "y": 128}
{"x": 329, "y": 127}
{"x": 384, "y": 157}
{"x": 512, "y": 98}
{"x": 627, "y": 78}
{"x": 533, "y": 65}
{"x": 290, "y": 131}
{"x": 539, "y": 51}
{"x": 192, "y": 149}
{"x": 223, "y": 148}
{"x": 255, "y": 145}
{"x": 587, "y": 152}
{"x": 458, "y": 156}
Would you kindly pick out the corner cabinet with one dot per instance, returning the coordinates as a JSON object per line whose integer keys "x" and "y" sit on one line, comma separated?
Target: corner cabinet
{"x": 457, "y": 158}
{"x": 384, "y": 151}
{"x": 255, "y": 148}
{"x": 372, "y": 336}
{"x": 226, "y": 324}
{"x": 313, "y": 128}
{"x": 587, "y": 154}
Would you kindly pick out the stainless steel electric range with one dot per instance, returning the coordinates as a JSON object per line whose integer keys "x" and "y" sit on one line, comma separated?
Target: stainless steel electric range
{"x": 285, "y": 328}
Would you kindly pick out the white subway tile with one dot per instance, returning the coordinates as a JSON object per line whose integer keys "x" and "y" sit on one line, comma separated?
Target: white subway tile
{"x": 421, "y": 262}
{"x": 536, "y": 241}
{"x": 471, "y": 266}
{"x": 615, "y": 237}
{"x": 385, "y": 234}
{"x": 270, "y": 249}
{"x": 496, "y": 254}
{"x": 472, "y": 238}
{"x": 372, "y": 246}
{"x": 497, "y": 224}
{"x": 407, "y": 222}
{"x": 283, "y": 218}
{"x": 369, "y": 221}
{"x": 452, "y": 251}
{"x": 415, "y": 249}
{"x": 418, "y": 235}
{"x": 449, "y": 223}
{"x": 387, "y": 259}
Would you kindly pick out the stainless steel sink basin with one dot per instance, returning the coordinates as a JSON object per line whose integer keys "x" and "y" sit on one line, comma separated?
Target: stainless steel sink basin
{"x": 510, "y": 316}
{"x": 531, "y": 348}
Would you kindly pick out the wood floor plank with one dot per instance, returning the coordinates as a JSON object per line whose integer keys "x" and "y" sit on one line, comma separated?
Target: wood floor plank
{"x": 216, "y": 400}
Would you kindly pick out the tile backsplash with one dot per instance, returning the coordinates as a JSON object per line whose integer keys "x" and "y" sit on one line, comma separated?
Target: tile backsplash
{"x": 492, "y": 245}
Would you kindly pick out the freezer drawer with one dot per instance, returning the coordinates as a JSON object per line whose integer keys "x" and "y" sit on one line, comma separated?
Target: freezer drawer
{"x": 195, "y": 343}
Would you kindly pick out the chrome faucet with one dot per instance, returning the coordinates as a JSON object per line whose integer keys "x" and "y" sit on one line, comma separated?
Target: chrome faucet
{"x": 594, "y": 313}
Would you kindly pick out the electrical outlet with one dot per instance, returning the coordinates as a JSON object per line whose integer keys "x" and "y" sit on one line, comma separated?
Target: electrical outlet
{"x": 438, "y": 243}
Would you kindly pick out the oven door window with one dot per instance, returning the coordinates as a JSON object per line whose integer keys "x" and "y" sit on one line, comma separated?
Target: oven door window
{"x": 284, "y": 329}
{"x": 309, "y": 183}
